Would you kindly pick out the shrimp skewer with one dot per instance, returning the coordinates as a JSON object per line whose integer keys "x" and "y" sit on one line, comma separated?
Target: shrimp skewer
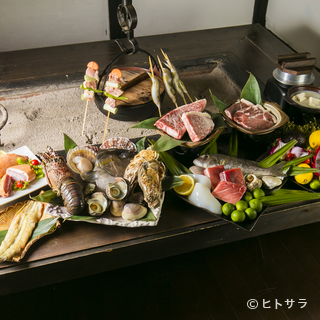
{"x": 155, "y": 88}
{"x": 167, "y": 79}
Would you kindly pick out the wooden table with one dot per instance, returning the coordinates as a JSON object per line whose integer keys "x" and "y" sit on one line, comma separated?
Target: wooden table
{"x": 79, "y": 249}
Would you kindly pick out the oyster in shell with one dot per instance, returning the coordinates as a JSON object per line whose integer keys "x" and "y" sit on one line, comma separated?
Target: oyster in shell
{"x": 97, "y": 204}
{"x": 150, "y": 176}
{"x": 81, "y": 159}
{"x": 119, "y": 143}
{"x": 271, "y": 182}
{"x": 131, "y": 172}
{"x": 117, "y": 190}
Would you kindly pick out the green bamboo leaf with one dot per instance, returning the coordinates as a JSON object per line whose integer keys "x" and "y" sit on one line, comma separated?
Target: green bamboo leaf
{"x": 219, "y": 104}
{"x": 48, "y": 196}
{"x": 165, "y": 143}
{"x": 295, "y": 170}
{"x": 140, "y": 144}
{"x": 297, "y": 161}
{"x": 68, "y": 143}
{"x": 149, "y": 216}
{"x": 44, "y": 226}
{"x": 233, "y": 143}
{"x": 170, "y": 182}
{"x": 2, "y": 235}
{"x": 251, "y": 90}
{"x": 146, "y": 124}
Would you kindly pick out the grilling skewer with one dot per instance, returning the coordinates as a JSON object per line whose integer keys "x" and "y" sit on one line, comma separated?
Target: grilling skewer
{"x": 91, "y": 78}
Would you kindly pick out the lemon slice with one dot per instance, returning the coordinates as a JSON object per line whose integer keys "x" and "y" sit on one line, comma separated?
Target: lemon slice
{"x": 186, "y": 188}
{"x": 2, "y": 152}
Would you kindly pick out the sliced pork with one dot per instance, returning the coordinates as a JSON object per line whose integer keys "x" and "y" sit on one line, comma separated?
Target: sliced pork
{"x": 172, "y": 124}
{"x": 242, "y": 104}
{"x": 5, "y": 186}
{"x": 9, "y": 160}
{"x": 233, "y": 175}
{"x": 22, "y": 172}
{"x": 229, "y": 192}
{"x": 213, "y": 173}
{"x": 198, "y": 124}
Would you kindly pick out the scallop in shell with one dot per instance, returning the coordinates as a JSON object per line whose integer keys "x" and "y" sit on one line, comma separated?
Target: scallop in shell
{"x": 97, "y": 204}
{"x": 119, "y": 143}
{"x": 81, "y": 159}
{"x": 117, "y": 190}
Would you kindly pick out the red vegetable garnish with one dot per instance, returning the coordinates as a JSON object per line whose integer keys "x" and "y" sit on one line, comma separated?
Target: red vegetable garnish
{"x": 307, "y": 161}
{"x": 19, "y": 184}
{"x": 34, "y": 162}
{"x": 290, "y": 156}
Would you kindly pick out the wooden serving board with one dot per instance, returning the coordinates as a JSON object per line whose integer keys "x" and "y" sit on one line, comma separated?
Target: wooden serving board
{"x": 140, "y": 93}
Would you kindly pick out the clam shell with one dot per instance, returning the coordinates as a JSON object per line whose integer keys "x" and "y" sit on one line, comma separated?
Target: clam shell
{"x": 133, "y": 211}
{"x": 87, "y": 152}
{"x": 119, "y": 143}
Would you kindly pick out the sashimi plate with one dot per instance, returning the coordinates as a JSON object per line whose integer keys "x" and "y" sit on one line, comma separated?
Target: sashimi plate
{"x": 33, "y": 185}
{"x": 247, "y": 225}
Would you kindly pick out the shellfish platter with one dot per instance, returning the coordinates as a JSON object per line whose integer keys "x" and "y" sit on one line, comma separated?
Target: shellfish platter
{"x": 34, "y": 185}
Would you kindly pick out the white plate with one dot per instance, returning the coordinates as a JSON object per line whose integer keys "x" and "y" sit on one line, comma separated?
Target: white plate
{"x": 33, "y": 186}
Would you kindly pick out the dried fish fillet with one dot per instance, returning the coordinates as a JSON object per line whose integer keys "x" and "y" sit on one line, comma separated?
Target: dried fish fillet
{"x": 20, "y": 230}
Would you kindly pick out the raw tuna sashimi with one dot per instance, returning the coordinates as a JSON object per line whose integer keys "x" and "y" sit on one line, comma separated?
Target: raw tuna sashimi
{"x": 213, "y": 173}
{"x": 9, "y": 160}
{"x": 229, "y": 192}
{"x": 22, "y": 172}
{"x": 172, "y": 124}
{"x": 233, "y": 175}
{"x": 5, "y": 186}
{"x": 198, "y": 124}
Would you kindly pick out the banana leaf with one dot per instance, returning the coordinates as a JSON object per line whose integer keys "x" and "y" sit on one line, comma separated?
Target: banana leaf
{"x": 251, "y": 90}
{"x": 49, "y": 196}
{"x": 68, "y": 143}
{"x": 170, "y": 182}
{"x": 219, "y": 104}
{"x": 165, "y": 143}
{"x": 140, "y": 144}
{"x": 146, "y": 124}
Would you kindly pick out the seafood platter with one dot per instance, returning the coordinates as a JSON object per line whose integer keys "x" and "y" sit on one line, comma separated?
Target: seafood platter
{"x": 122, "y": 182}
